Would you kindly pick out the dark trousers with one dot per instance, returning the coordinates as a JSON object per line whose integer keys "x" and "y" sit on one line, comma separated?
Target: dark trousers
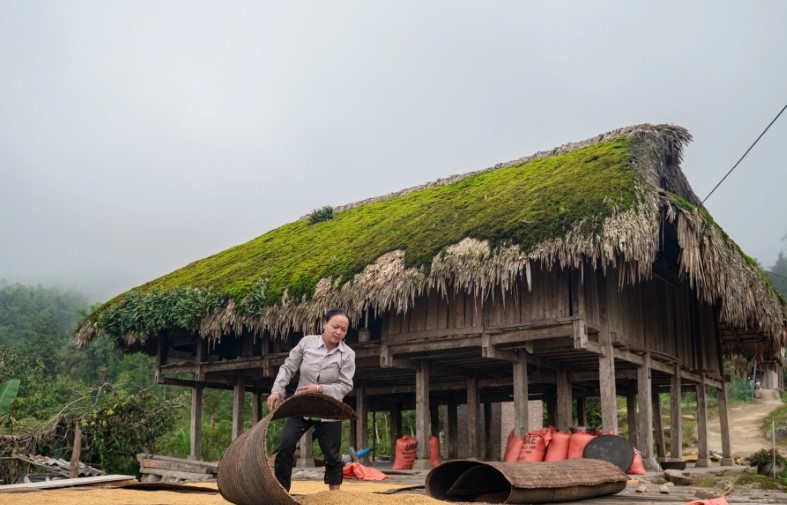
{"x": 329, "y": 435}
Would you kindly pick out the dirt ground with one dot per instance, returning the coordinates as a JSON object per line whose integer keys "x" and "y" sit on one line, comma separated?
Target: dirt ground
{"x": 745, "y": 422}
{"x": 311, "y": 493}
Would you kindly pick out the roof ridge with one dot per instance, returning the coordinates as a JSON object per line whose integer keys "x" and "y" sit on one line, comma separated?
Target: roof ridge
{"x": 676, "y": 136}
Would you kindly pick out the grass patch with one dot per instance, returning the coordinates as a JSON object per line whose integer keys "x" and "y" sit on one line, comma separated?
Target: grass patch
{"x": 753, "y": 480}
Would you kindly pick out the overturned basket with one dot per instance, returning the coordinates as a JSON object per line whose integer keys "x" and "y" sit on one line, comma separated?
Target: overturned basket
{"x": 542, "y": 482}
{"x": 244, "y": 475}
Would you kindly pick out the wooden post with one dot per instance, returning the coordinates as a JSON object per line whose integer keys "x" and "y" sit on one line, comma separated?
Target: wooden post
{"x": 422, "y": 429}
{"x": 606, "y": 364}
{"x": 645, "y": 417}
{"x": 195, "y": 436}
{"x": 582, "y": 416}
{"x": 306, "y": 458}
{"x": 563, "y": 414}
{"x": 453, "y": 429}
{"x": 238, "y": 406}
{"x": 550, "y": 401}
{"x": 658, "y": 428}
{"x": 521, "y": 404}
{"x": 396, "y": 423}
{"x": 724, "y": 426}
{"x": 362, "y": 423}
{"x": 256, "y": 407}
{"x": 473, "y": 419}
{"x": 703, "y": 461}
{"x": 434, "y": 418}
{"x": 676, "y": 422}
{"x": 631, "y": 412}
{"x": 487, "y": 441}
{"x": 76, "y": 450}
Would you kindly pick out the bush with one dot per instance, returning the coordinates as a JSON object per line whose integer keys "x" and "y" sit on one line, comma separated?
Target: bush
{"x": 322, "y": 214}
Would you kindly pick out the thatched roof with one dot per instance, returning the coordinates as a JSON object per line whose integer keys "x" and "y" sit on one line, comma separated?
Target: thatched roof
{"x": 603, "y": 201}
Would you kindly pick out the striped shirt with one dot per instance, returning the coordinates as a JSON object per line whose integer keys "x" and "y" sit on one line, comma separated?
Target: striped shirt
{"x": 332, "y": 370}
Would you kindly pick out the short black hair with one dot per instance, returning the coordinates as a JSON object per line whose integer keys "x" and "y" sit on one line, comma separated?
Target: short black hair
{"x": 336, "y": 312}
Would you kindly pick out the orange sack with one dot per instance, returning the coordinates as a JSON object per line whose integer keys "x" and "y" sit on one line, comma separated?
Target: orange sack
{"x": 637, "y": 467}
{"x": 557, "y": 450}
{"x": 404, "y": 454}
{"x": 434, "y": 450}
{"x": 534, "y": 447}
{"x": 513, "y": 447}
{"x": 577, "y": 443}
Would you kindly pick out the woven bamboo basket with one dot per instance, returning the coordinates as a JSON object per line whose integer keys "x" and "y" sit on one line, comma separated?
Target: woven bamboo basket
{"x": 244, "y": 475}
{"x": 542, "y": 482}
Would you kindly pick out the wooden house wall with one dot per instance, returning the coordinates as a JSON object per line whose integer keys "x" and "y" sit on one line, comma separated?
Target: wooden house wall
{"x": 432, "y": 314}
{"x": 684, "y": 341}
{"x": 710, "y": 342}
{"x": 590, "y": 286}
{"x": 625, "y": 312}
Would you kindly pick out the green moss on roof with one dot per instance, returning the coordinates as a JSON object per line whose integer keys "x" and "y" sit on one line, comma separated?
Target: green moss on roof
{"x": 523, "y": 205}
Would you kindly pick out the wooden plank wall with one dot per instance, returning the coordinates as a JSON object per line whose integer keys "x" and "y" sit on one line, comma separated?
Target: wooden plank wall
{"x": 683, "y": 329}
{"x": 432, "y": 312}
{"x": 549, "y": 299}
{"x": 625, "y": 312}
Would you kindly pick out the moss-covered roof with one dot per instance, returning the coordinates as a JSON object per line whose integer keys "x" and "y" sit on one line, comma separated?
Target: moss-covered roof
{"x": 600, "y": 199}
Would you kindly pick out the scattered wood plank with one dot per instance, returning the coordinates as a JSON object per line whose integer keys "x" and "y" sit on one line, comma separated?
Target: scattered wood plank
{"x": 100, "y": 480}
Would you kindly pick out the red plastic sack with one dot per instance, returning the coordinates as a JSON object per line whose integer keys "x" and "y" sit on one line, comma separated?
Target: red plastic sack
{"x": 404, "y": 454}
{"x": 513, "y": 447}
{"x": 534, "y": 447}
{"x": 358, "y": 471}
{"x": 434, "y": 450}
{"x": 637, "y": 467}
{"x": 577, "y": 443}
{"x": 557, "y": 450}
{"x": 713, "y": 501}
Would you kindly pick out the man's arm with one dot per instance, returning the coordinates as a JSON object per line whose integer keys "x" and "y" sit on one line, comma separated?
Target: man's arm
{"x": 288, "y": 369}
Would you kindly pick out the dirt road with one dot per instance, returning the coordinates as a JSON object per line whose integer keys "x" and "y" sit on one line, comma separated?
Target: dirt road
{"x": 745, "y": 422}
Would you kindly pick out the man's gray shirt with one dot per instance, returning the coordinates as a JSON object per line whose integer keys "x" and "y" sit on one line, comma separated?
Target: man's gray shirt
{"x": 332, "y": 370}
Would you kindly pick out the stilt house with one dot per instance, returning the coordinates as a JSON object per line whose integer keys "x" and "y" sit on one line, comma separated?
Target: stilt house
{"x": 589, "y": 270}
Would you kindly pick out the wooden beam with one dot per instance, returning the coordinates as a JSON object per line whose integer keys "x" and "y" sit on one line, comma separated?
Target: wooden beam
{"x": 521, "y": 394}
{"x": 362, "y": 411}
{"x": 676, "y": 421}
{"x": 427, "y": 335}
{"x": 422, "y": 425}
{"x": 563, "y": 415}
{"x": 488, "y": 350}
{"x": 724, "y": 427}
{"x": 645, "y": 417}
{"x": 606, "y": 364}
{"x": 582, "y": 418}
{"x": 396, "y": 423}
{"x": 452, "y": 437}
{"x": 473, "y": 419}
{"x": 238, "y": 407}
{"x": 487, "y": 440}
{"x": 658, "y": 428}
{"x": 703, "y": 461}
{"x": 631, "y": 412}
{"x": 195, "y": 435}
{"x": 256, "y": 407}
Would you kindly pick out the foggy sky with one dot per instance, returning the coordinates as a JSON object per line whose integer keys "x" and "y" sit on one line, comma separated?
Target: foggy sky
{"x": 138, "y": 136}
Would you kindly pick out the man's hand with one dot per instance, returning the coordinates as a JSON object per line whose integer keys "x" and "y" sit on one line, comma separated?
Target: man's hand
{"x": 309, "y": 388}
{"x": 273, "y": 400}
